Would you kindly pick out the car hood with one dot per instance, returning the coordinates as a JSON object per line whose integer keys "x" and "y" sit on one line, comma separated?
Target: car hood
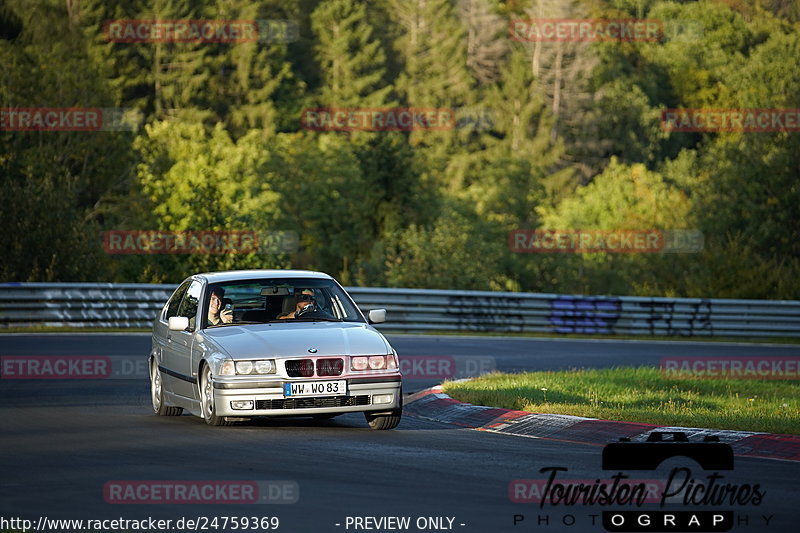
{"x": 296, "y": 339}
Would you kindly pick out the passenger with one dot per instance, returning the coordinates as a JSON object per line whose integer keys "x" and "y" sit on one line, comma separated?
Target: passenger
{"x": 303, "y": 299}
{"x": 216, "y": 315}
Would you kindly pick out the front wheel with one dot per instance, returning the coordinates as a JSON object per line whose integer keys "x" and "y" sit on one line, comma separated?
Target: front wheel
{"x": 157, "y": 394}
{"x": 384, "y": 421}
{"x": 207, "y": 400}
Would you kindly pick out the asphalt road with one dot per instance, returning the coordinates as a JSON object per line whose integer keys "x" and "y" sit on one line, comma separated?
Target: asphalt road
{"x": 63, "y": 441}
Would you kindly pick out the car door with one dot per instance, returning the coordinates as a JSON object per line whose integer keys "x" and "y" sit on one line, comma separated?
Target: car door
{"x": 161, "y": 343}
{"x": 178, "y": 355}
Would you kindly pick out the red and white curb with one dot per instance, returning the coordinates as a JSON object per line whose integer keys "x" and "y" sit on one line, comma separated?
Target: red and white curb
{"x": 433, "y": 404}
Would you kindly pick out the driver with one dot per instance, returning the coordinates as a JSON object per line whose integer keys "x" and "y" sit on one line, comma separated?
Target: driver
{"x": 303, "y": 299}
{"x": 216, "y": 315}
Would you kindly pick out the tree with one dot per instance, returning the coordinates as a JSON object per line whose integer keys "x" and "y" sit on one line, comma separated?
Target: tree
{"x": 51, "y": 182}
{"x": 351, "y": 58}
{"x": 486, "y": 38}
{"x": 457, "y": 251}
{"x": 234, "y": 83}
{"x": 325, "y": 198}
{"x": 623, "y": 197}
{"x": 755, "y": 190}
{"x": 193, "y": 180}
{"x": 434, "y": 54}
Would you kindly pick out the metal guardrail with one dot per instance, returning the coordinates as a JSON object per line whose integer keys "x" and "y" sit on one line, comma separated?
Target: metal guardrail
{"x": 119, "y": 305}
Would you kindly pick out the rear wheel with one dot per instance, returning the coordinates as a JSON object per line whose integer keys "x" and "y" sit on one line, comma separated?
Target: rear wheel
{"x": 157, "y": 393}
{"x": 384, "y": 420}
{"x": 207, "y": 400}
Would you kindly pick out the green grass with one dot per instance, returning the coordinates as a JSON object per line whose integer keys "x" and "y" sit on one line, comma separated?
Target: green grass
{"x": 642, "y": 394}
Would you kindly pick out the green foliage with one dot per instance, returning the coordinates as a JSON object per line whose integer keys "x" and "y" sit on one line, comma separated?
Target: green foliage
{"x": 757, "y": 190}
{"x": 325, "y": 198}
{"x": 180, "y": 159}
{"x": 351, "y": 57}
{"x": 559, "y": 135}
{"x": 434, "y": 53}
{"x": 626, "y": 197}
{"x": 455, "y": 252}
{"x": 194, "y": 81}
{"x": 51, "y": 182}
{"x": 193, "y": 180}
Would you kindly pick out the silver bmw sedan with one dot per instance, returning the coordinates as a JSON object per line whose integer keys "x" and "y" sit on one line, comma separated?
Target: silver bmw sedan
{"x": 232, "y": 345}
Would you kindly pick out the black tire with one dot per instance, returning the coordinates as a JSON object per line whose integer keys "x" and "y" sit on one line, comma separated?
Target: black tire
{"x": 384, "y": 421}
{"x": 160, "y": 407}
{"x": 207, "y": 399}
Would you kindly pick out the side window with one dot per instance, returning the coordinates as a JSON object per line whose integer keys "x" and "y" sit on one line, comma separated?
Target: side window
{"x": 175, "y": 301}
{"x": 188, "y": 307}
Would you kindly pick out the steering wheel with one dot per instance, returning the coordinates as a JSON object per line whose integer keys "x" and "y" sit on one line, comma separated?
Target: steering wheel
{"x": 310, "y": 308}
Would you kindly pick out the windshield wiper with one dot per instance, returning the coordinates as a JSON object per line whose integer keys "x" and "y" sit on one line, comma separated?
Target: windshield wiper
{"x": 306, "y": 319}
{"x": 238, "y": 323}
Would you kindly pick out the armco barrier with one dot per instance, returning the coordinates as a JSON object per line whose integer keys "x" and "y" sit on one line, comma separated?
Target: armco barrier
{"x": 121, "y": 305}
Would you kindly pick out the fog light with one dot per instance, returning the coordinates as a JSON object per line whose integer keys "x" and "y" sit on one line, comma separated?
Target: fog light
{"x": 241, "y": 404}
{"x": 382, "y": 398}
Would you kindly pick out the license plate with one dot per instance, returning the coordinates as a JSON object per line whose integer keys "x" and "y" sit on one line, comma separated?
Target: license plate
{"x": 315, "y": 388}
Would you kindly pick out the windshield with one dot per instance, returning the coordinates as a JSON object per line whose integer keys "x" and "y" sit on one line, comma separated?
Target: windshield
{"x": 278, "y": 300}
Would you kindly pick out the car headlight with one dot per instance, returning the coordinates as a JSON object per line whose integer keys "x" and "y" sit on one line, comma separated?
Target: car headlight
{"x": 265, "y": 366}
{"x": 359, "y": 363}
{"x": 373, "y": 362}
{"x": 244, "y": 367}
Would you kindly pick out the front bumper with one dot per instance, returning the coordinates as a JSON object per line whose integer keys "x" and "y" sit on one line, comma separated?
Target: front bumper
{"x": 268, "y": 398}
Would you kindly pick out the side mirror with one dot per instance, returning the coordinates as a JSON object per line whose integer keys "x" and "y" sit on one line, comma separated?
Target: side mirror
{"x": 376, "y": 316}
{"x": 178, "y": 323}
